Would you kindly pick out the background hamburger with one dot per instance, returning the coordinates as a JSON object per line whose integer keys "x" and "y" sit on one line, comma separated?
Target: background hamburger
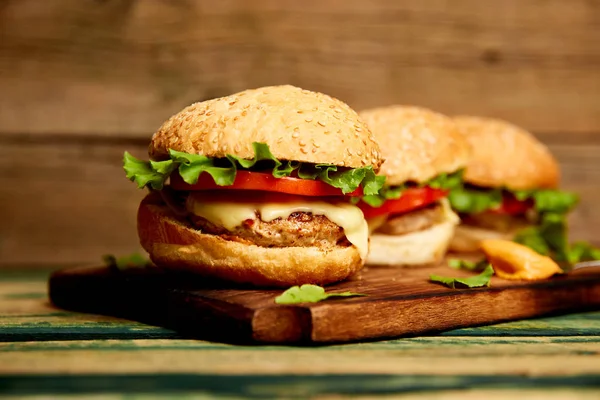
{"x": 254, "y": 188}
{"x": 410, "y": 221}
{"x": 511, "y": 191}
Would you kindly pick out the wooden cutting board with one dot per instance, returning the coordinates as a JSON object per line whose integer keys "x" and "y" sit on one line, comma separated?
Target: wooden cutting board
{"x": 400, "y": 302}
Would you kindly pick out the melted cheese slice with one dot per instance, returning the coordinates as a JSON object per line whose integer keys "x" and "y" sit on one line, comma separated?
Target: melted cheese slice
{"x": 231, "y": 215}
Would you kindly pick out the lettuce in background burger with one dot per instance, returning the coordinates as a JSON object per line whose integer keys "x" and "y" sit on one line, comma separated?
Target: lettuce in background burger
{"x": 255, "y": 188}
{"x": 511, "y": 192}
{"x": 410, "y": 219}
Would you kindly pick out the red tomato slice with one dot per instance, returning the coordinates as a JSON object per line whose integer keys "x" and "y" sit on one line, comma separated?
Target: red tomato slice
{"x": 252, "y": 196}
{"x": 246, "y": 180}
{"x": 510, "y": 205}
{"x": 411, "y": 199}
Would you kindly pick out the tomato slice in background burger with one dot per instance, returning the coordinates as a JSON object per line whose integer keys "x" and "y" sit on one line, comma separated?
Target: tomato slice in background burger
{"x": 511, "y": 206}
{"x": 409, "y": 200}
{"x": 247, "y": 180}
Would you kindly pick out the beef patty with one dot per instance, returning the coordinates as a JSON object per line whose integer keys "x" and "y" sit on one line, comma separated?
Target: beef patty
{"x": 413, "y": 221}
{"x": 298, "y": 230}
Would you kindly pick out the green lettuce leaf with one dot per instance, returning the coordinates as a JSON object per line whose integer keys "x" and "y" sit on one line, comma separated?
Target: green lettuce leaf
{"x": 348, "y": 181}
{"x": 192, "y": 165}
{"x": 468, "y": 265}
{"x": 471, "y": 201}
{"x": 223, "y": 171}
{"x": 309, "y": 294}
{"x": 152, "y": 174}
{"x": 582, "y": 251}
{"x": 385, "y": 193}
{"x": 483, "y": 279}
{"x": 134, "y": 260}
{"x": 442, "y": 181}
{"x": 447, "y": 181}
{"x": 549, "y": 238}
{"x": 548, "y": 200}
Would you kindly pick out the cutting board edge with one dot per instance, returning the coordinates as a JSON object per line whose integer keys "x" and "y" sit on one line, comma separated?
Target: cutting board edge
{"x": 557, "y": 304}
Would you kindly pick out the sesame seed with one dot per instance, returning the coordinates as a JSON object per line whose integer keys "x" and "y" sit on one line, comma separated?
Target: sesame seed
{"x": 295, "y": 135}
{"x": 209, "y": 113}
{"x": 299, "y": 111}
{"x": 303, "y": 150}
{"x": 317, "y": 145}
{"x": 321, "y": 123}
{"x": 349, "y": 152}
{"x": 302, "y": 143}
{"x": 327, "y": 132}
{"x": 296, "y": 129}
{"x": 309, "y": 119}
{"x": 314, "y": 150}
{"x": 244, "y": 113}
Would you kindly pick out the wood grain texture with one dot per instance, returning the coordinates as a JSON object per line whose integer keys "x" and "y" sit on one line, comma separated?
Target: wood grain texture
{"x": 26, "y": 315}
{"x": 549, "y": 358}
{"x": 66, "y": 199}
{"x": 399, "y": 302}
{"x": 122, "y": 67}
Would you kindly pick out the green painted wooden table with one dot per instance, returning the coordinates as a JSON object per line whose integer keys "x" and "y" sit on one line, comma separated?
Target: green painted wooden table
{"x": 49, "y": 353}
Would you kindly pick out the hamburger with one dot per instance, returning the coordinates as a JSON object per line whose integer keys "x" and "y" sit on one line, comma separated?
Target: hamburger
{"x": 510, "y": 191}
{"x": 255, "y": 188}
{"x": 410, "y": 220}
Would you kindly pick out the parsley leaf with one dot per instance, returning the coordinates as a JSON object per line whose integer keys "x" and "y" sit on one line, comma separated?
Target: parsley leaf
{"x": 483, "y": 279}
{"x": 134, "y": 260}
{"x": 223, "y": 171}
{"x": 309, "y": 294}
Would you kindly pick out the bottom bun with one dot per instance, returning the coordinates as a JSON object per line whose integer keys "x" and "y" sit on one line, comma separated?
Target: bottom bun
{"x": 171, "y": 244}
{"x": 467, "y": 238}
{"x": 420, "y": 248}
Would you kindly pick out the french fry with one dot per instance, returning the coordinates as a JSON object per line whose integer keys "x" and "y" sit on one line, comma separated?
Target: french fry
{"x": 516, "y": 262}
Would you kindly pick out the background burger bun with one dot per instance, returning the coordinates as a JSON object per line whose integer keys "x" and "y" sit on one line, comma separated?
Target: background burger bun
{"x": 297, "y": 124}
{"x": 415, "y": 249}
{"x": 172, "y": 244}
{"x": 505, "y": 155}
{"x": 417, "y": 144}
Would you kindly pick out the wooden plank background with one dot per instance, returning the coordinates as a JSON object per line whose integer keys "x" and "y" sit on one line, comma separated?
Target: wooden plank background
{"x": 81, "y": 81}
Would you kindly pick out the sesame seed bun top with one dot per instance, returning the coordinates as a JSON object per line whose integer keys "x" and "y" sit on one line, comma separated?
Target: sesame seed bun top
{"x": 505, "y": 155}
{"x": 417, "y": 144}
{"x": 296, "y": 124}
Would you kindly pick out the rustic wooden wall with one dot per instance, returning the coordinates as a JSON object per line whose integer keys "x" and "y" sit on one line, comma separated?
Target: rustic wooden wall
{"x": 81, "y": 81}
